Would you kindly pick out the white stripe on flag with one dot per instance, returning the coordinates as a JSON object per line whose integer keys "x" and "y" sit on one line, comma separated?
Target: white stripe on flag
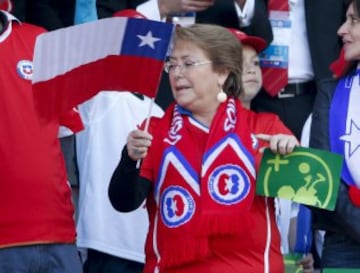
{"x": 84, "y": 43}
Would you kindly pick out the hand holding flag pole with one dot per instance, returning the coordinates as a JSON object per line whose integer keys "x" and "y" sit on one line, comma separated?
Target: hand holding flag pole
{"x": 146, "y": 129}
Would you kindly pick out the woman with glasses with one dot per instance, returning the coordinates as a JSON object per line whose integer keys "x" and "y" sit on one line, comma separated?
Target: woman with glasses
{"x": 198, "y": 166}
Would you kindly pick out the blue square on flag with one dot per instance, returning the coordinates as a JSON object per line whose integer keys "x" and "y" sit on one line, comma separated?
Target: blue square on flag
{"x": 146, "y": 38}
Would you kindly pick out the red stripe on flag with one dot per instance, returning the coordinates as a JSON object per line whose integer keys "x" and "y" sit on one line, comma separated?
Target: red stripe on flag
{"x": 56, "y": 96}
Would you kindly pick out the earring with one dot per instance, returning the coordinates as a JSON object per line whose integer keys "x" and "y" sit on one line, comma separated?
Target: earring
{"x": 221, "y": 96}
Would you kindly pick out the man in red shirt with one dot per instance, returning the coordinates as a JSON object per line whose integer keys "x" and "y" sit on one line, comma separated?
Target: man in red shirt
{"x": 37, "y": 230}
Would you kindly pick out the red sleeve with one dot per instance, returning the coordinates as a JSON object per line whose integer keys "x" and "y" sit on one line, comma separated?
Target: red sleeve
{"x": 278, "y": 127}
{"x": 266, "y": 123}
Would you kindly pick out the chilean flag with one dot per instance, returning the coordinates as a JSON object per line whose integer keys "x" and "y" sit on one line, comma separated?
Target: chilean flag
{"x": 345, "y": 127}
{"x": 73, "y": 64}
{"x": 344, "y": 123}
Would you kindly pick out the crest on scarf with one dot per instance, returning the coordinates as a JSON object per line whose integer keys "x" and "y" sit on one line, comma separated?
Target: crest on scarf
{"x": 228, "y": 184}
{"x": 177, "y": 206}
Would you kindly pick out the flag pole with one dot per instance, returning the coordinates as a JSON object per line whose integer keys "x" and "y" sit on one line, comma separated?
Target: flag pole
{"x": 147, "y": 124}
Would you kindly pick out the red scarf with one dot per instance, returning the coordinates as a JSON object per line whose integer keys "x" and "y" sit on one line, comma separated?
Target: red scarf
{"x": 198, "y": 200}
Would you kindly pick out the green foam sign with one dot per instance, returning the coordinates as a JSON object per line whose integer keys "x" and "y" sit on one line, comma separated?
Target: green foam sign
{"x": 307, "y": 176}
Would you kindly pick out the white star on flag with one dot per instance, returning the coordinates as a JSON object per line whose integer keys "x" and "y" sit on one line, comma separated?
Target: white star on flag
{"x": 148, "y": 40}
{"x": 353, "y": 138}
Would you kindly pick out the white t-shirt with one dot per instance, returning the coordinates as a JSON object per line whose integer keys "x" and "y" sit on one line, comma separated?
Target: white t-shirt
{"x": 108, "y": 118}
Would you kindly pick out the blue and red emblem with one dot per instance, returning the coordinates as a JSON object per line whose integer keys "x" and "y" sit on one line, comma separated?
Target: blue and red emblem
{"x": 229, "y": 184}
{"x": 177, "y": 206}
{"x": 25, "y": 69}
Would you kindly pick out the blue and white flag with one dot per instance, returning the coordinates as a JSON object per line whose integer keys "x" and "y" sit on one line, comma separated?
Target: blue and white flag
{"x": 344, "y": 122}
